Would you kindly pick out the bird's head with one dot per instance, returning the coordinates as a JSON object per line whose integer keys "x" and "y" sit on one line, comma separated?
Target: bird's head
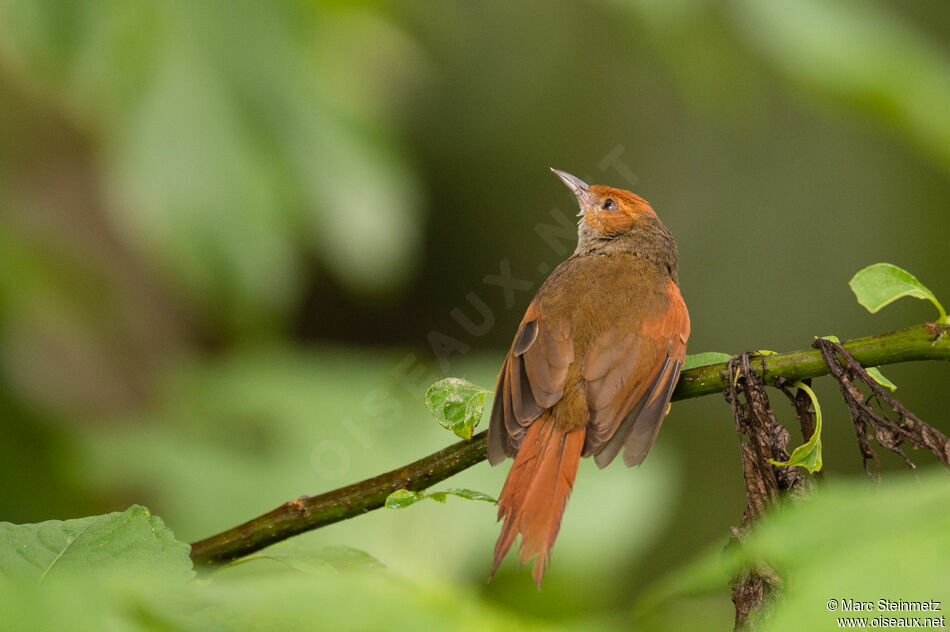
{"x": 618, "y": 221}
{"x": 608, "y": 211}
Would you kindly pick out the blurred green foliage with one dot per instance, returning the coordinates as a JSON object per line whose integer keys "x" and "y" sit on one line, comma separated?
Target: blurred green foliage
{"x": 133, "y": 541}
{"x": 898, "y": 552}
{"x": 127, "y": 570}
{"x": 903, "y": 524}
{"x": 226, "y": 158}
{"x": 228, "y": 229}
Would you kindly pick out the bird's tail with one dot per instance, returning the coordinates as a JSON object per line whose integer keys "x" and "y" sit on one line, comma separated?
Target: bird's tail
{"x": 536, "y": 491}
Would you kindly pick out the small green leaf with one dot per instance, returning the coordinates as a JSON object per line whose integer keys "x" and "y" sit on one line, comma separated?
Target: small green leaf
{"x": 873, "y": 371}
{"x": 470, "y": 494}
{"x": 456, "y": 404}
{"x": 878, "y": 377}
{"x": 403, "y": 498}
{"x": 702, "y": 359}
{"x": 807, "y": 455}
{"x": 880, "y": 284}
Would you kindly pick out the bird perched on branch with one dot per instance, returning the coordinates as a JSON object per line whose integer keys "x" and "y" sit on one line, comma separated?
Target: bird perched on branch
{"x": 592, "y": 367}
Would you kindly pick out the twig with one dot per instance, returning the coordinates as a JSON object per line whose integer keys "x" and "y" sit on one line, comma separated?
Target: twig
{"x": 920, "y": 342}
{"x": 312, "y": 512}
{"x": 761, "y": 440}
{"x": 889, "y": 433}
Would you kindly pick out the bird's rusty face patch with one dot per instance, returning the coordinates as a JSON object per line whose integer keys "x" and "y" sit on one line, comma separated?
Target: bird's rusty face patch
{"x": 613, "y": 211}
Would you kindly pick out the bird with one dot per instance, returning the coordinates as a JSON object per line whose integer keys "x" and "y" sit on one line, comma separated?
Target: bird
{"x": 592, "y": 367}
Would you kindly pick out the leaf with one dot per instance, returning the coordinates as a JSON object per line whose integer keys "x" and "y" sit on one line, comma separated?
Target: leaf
{"x": 315, "y": 560}
{"x": 873, "y": 371}
{"x": 704, "y": 358}
{"x": 807, "y": 455}
{"x": 470, "y": 494}
{"x": 133, "y": 540}
{"x": 878, "y": 377}
{"x": 814, "y": 550}
{"x": 342, "y": 601}
{"x": 456, "y": 404}
{"x": 259, "y": 596}
{"x": 881, "y": 284}
{"x": 907, "y": 550}
{"x": 403, "y": 498}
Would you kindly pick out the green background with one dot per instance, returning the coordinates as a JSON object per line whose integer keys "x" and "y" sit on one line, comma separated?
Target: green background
{"x": 228, "y": 232}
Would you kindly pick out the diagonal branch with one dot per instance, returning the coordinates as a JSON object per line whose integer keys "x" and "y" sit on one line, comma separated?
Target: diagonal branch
{"x": 921, "y": 342}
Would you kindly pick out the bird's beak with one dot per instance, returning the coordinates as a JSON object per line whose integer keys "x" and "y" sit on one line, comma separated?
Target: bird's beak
{"x": 578, "y": 186}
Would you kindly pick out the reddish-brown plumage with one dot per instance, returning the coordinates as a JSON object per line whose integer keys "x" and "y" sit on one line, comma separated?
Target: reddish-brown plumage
{"x": 536, "y": 491}
{"x": 592, "y": 367}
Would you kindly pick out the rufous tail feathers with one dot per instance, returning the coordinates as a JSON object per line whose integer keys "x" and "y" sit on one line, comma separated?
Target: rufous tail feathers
{"x": 536, "y": 492}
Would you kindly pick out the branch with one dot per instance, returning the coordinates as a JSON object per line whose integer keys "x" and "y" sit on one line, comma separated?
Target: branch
{"x": 921, "y": 342}
{"x": 762, "y": 443}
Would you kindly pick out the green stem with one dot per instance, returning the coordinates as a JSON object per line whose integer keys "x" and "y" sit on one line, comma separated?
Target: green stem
{"x": 944, "y": 318}
{"x": 921, "y": 342}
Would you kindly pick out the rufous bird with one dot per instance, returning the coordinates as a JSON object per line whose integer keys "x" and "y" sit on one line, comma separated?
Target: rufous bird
{"x": 592, "y": 367}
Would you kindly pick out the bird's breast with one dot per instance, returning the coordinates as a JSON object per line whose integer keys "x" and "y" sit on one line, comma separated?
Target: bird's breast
{"x": 598, "y": 292}
{"x": 599, "y": 296}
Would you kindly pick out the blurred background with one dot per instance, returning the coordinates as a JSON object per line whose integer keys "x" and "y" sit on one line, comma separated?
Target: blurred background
{"x": 238, "y": 241}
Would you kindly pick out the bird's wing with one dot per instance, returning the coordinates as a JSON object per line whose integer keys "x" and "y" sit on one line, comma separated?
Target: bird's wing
{"x": 630, "y": 378}
{"x": 531, "y": 380}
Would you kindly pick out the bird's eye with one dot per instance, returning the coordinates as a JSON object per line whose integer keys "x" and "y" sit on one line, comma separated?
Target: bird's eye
{"x": 609, "y": 204}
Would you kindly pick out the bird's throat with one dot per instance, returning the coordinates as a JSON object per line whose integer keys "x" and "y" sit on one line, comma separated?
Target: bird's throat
{"x": 647, "y": 238}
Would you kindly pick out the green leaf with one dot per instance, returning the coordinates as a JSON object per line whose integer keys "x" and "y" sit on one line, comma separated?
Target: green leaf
{"x": 234, "y": 601}
{"x": 880, "y": 284}
{"x": 456, "y": 404}
{"x": 878, "y": 377}
{"x": 403, "y": 498}
{"x": 873, "y": 371}
{"x": 470, "y": 494}
{"x": 133, "y": 540}
{"x": 817, "y": 555}
{"x": 807, "y": 455}
{"x": 308, "y": 559}
{"x": 702, "y": 359}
